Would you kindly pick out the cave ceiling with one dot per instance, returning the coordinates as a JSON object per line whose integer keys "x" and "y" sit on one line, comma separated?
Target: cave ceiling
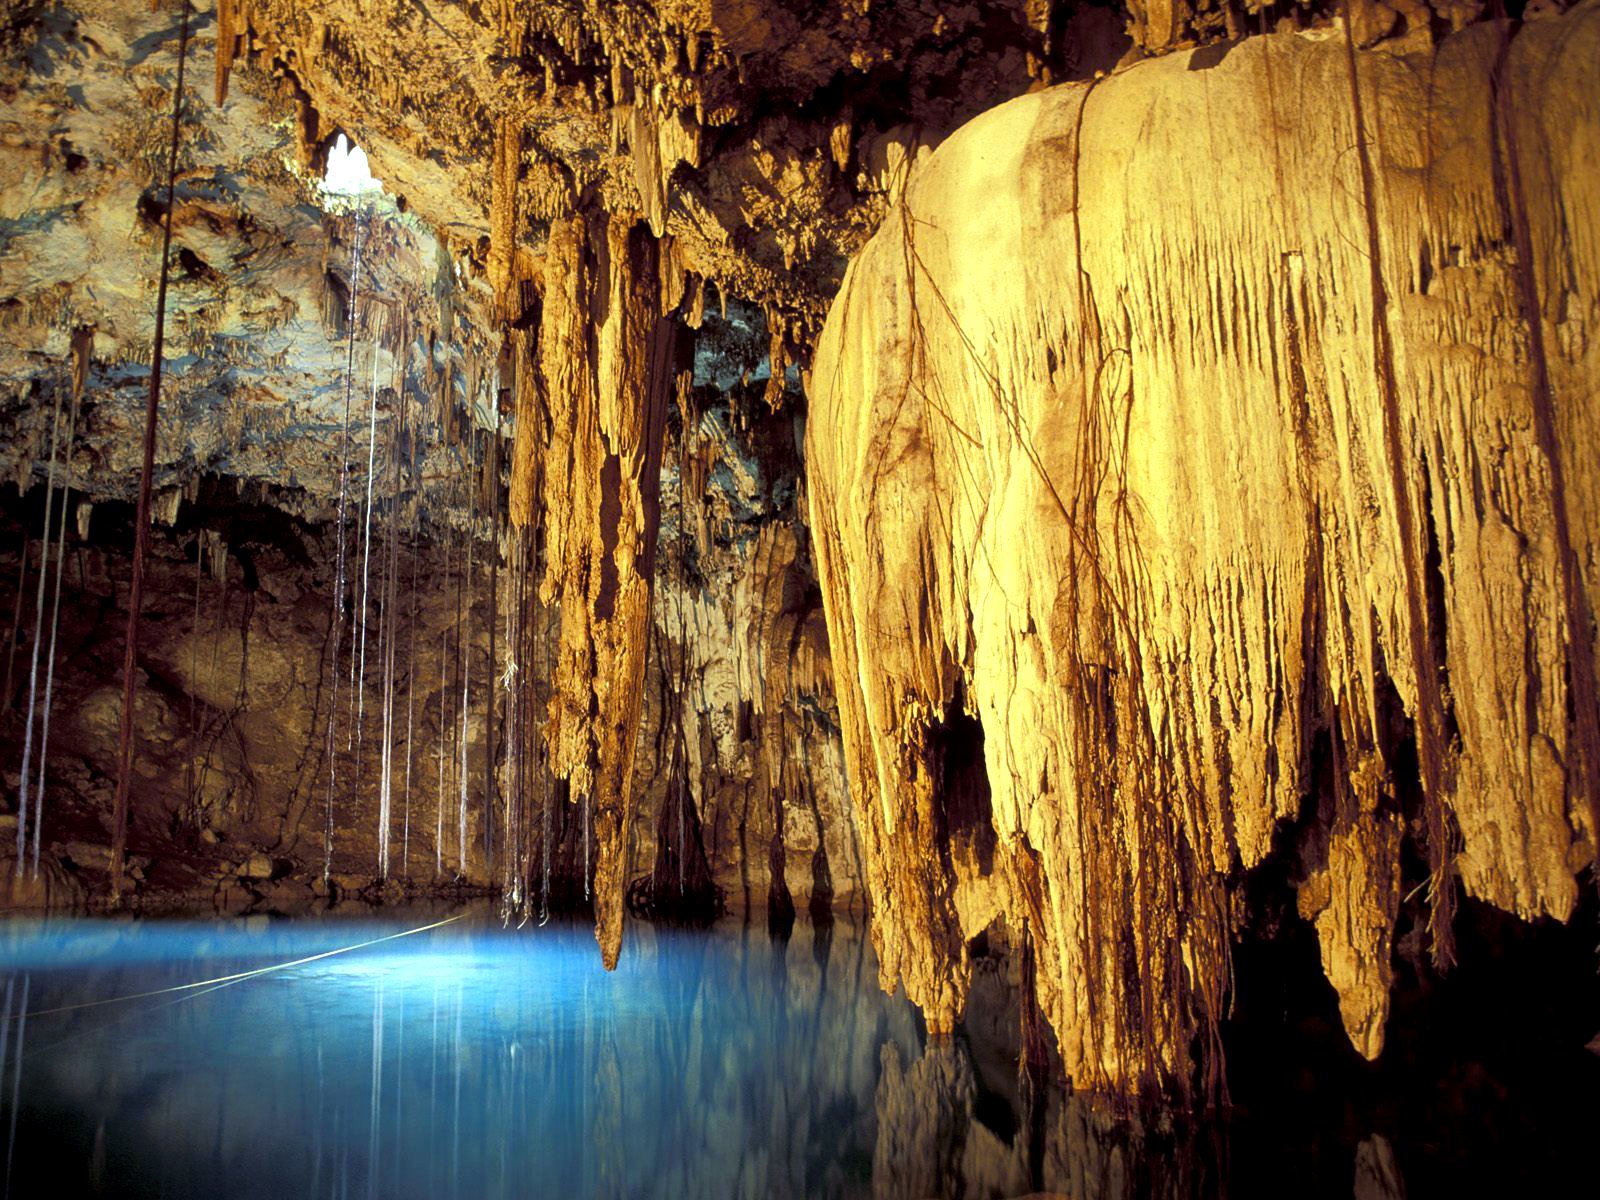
{"x": 761, "y": 140}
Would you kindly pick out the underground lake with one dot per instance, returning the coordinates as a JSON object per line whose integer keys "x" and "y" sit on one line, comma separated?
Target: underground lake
{"x": 450, "y": 1056}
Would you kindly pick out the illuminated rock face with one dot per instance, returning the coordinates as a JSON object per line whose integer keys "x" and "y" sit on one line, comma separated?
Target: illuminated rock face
{"x": 1171, "y": 430}
{"x": 607, "y": 357}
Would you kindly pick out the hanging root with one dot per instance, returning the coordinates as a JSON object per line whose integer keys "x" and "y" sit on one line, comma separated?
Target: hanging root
{"x": 141, "y": 535}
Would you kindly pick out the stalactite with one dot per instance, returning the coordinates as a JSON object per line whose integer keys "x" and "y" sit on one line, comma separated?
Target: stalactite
{"x": 606, "y": 390}
{"x": 229, "y": 29}
{"x": 1578, "y": 611}
{"x": 503, "y": 215}
{"x": 1162, "y": 506}
{"x": 1432, "y": 752}
{"x": 141, "y": 535}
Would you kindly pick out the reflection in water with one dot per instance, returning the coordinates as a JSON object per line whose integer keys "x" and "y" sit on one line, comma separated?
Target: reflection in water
{"x": 471, "y": 1062}
{"x": 464, "y": 1062}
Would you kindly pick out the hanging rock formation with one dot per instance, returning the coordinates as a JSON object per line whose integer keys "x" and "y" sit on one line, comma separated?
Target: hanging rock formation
{"x": 266, "y": 292}
{"x": 1167, "y": 430}
{"x": 606, "y": 353}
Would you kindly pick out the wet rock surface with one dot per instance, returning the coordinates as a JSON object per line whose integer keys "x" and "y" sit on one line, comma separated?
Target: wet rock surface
{"x": 1180, "y": 499}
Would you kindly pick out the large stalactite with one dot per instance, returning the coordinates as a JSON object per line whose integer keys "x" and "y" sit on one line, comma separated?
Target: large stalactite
{"x": 606, "y": 359}
{"x": 1177, "y": 489}
{"x": 1194, "y": 462}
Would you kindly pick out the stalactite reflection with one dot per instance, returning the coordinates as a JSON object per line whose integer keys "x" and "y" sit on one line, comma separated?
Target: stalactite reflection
{"x": 473, "y": 1061}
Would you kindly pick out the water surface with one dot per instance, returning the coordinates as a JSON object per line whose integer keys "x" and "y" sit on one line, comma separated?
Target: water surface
{"x": 471, "y": 1061}
{"x": 465, "y": 1061}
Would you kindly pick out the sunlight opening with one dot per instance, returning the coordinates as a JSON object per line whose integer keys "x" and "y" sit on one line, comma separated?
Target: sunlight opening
{"x": 348, "y": 172}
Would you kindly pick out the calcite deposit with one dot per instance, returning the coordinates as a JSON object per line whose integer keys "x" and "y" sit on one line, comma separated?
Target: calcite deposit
{"x": 1172, "y": 461}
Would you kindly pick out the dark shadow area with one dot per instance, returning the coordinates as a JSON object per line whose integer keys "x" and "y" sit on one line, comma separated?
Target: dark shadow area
{"x": 1484, "y": 1084}
{"x": 954, "y": 751}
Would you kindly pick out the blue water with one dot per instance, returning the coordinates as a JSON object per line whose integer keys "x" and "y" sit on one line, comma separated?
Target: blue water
{"x": 468, "y": 1062}
{"x": 473, "y": 1062}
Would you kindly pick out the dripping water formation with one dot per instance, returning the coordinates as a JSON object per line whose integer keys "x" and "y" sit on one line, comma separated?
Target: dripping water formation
{"x": 854, "y": 600}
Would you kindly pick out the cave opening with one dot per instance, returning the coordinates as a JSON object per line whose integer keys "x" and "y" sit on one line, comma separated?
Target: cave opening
{"x": 348, "y": 174}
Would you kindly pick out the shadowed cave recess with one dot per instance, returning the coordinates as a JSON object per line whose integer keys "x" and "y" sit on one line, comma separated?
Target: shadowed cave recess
{"x": 1029, "y": 568}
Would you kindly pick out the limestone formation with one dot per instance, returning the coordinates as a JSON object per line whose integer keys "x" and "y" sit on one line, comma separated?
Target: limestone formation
{"x": 608, "y": 355}
{"x": 1173, "y": 429}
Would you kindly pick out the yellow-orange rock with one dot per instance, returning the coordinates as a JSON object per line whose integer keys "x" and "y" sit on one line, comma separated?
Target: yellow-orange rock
{"x": 1102, "y": 452}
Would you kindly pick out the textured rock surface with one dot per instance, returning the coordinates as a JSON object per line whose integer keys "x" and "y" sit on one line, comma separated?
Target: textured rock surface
{"x": 606, "y": 355}
{"x": 263, "y": 276}
{"x": 271, "y": 277}
{"x": 1172, "y": 489}
{"x": 750, "y": 132}
{"x": 232, "y": 712}
{"x": 740, "y": 668}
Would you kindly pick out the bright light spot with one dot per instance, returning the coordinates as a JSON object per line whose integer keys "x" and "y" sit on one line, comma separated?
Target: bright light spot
{"x": 348, "y": 172}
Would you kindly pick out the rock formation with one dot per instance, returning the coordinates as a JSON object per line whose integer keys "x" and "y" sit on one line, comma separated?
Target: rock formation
{"x": 286, "y": 300}
{"x": 1255, "y": 500}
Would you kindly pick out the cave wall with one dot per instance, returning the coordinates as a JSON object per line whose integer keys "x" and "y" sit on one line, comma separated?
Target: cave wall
{"x": 235, "y": 691}
{"x": 740, "y": 675}
{"x": 292, "y": 314}
{"x": 1189, "y": 494}
{"x": 270, "y": 277}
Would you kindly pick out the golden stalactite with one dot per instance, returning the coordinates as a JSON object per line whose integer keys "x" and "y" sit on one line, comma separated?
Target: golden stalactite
{"x": 777, "y": 360}
{"x": 605, "y": 355}
{"x": 1168, "y": 560}
{"x": 227, "y": 19}
{"x": 531, "y": 431}
{"x": 503, "y": 216}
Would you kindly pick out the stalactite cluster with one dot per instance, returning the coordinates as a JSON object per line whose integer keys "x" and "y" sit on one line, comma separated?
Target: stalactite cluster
{"x": 1224, "y": 511}
{"x": 606, "y": 363}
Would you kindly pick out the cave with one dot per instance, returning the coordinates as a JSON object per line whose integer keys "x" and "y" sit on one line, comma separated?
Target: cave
{"x": 777, "y": 598}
